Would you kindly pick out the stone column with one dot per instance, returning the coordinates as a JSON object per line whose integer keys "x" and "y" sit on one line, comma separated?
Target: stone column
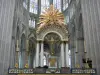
{"x": 20, "y": 64}
{"x": 37, "y": 54}
{"x": 79, "y": 54}
{"x": 76, "y": 53}
{"x": 62, "y": 55}
{"x": 28, "y": 5}
{"x": 47, "y": 57}
{"x": 62, "y": 5}
{"x": 42, "y": 54}
{"x": 67, "y": 55}
{"x": 59, "y": 62}
{"x": 72, "y": 57}
{"x": 39, "y": 8}
{"x": 34, "y": 62}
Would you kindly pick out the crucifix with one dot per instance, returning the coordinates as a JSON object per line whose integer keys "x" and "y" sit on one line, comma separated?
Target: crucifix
{"x": 52, "y": 46}
{"x": 52, "y": 41}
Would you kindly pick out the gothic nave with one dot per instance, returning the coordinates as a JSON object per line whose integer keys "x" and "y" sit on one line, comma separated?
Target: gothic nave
{"x": 49, "y": 37}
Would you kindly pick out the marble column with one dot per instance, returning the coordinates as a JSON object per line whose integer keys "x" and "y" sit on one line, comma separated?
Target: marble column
{"x": 67, "y": 55}
{"x": 62, "y": 55}
{"x": 47, "y": 58}
{"x": 42, "y": 54}
{"x": 37, "y": 54}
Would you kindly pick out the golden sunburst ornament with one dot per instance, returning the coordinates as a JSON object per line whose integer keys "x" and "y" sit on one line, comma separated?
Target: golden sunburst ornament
{"x": 51, "y": 16}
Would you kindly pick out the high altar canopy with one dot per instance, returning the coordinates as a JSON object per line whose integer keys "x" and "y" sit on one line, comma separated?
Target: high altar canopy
{"x": 52, "y": 21}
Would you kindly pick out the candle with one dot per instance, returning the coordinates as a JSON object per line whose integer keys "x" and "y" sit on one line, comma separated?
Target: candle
{"x": 17, "y": 48}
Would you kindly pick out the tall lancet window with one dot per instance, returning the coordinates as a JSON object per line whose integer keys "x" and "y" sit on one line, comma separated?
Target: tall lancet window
{"x": 44, "y": 5}
{"x": 25, "y": 2}
{"x": 65, "y": 4}
{"x": 33, "y": 6}
{"x": 57, "y": 4}
{"x": 32, "y": 23}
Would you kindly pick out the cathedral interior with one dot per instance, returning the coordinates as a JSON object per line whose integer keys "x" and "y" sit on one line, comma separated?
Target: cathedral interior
{"x": 49, "y": 37}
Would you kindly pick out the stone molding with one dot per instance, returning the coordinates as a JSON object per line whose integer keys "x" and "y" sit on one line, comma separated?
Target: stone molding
{"x": 62, "y": 32}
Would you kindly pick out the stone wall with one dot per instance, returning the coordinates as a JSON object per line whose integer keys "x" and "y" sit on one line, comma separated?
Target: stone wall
{"x": 12, "y": 15}
{"x": 91, "y": 24}
{"x": 75, "y": 27}
{"x": 6, "y": 23}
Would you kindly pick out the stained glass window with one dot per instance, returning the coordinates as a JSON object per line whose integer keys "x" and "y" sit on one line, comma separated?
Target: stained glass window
{"x": 25, "y": 3}
{"x": 65, "y": 4}
{"x": 72, "y": 10}
{"x": 44, "y": 5}
{"x": 66, "y": 18}
{"x": 32, "y": 23}
{"x": 33, "y": 6}
{"x": 57, "y": 4}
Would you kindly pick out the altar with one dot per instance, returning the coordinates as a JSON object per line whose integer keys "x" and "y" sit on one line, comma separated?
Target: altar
{"x": 52, "y": 62}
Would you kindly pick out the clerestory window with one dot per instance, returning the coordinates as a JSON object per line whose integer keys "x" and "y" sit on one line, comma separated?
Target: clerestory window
{"x": 33, "y": 6}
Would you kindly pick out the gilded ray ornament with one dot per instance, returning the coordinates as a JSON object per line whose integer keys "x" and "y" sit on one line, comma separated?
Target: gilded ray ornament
{"x": 51, "y": 16}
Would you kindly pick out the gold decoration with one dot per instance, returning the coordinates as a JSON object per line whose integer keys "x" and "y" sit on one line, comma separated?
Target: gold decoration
{"x": 16, "y": 65}
{"x": 77, "y": 66}
{"x": 52, "y": 62}
{"x": 51, "y": 16}
{"x": 52, "y": 43}
{"x": 26, "y": 66}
